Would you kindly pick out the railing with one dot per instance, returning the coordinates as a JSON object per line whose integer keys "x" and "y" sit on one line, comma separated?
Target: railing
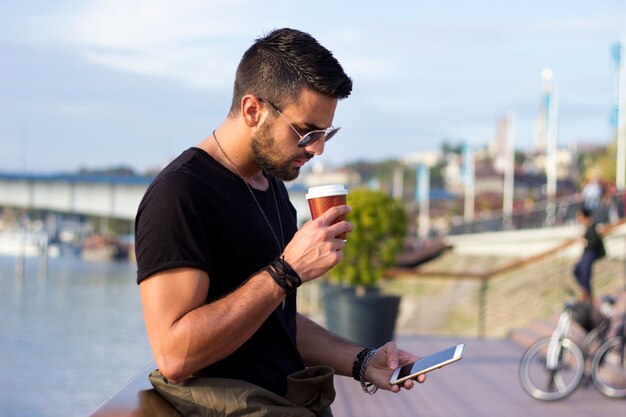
{"x": 490, "y": 295}
{"x": 542, "y": 213}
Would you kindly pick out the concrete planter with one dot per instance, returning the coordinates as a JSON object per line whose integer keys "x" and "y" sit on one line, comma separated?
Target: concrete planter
{"x": 368, "y": 319}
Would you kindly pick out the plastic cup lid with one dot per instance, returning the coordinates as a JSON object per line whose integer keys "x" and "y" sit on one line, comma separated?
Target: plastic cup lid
{"x": 326, "y": 190}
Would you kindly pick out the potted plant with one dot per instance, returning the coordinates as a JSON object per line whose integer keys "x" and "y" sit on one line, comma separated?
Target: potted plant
{"x": 355, "y": 307}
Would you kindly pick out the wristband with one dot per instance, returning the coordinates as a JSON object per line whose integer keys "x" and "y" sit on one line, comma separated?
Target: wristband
{"x": 284, "y": 275}
{"x": 358, "y": 369}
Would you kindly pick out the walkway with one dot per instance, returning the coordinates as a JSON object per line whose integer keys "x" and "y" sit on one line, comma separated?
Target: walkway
{"x": 483, "y": 384}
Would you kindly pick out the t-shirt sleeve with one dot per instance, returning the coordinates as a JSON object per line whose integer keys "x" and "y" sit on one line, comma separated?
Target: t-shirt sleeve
{"x": 172, "y": 227}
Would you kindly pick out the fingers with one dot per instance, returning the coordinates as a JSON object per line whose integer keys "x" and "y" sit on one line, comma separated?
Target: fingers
{"x": 333, "y": 213}
{"x": 334, "y": 219}
{"x": 391, "y": 357}
{"x": 392, "y": 354}
{"x": 339, "y": 244}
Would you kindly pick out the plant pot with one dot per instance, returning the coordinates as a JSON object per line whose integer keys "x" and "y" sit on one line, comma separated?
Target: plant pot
{"x": 368, "y": 319}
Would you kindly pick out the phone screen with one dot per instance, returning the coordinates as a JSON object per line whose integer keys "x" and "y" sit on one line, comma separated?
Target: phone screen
{"x": 428, "y": 363}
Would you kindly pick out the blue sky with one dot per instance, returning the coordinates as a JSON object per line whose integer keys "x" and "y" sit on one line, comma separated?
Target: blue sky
{"x": 100, "y": 83}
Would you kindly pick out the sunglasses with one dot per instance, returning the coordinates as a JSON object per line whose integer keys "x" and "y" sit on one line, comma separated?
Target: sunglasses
{"x": 310, "y": 137}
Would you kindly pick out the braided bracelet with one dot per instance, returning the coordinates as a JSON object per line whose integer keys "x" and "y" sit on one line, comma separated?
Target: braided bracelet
{"x": 358, "y": 369}
{"x": 284, "y": 275}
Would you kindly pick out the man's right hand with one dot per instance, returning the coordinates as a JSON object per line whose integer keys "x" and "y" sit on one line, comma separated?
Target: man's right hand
{"x": 315, "y": 248}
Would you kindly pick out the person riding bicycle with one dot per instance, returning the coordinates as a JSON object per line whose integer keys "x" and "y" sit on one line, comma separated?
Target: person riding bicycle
{"x": 594, "y": 250}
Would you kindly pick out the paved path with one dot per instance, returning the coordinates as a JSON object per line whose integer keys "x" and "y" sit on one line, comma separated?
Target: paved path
{"x": 483, "y": 384}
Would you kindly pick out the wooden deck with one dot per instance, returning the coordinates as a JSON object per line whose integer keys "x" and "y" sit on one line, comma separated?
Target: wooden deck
{"x": 483, "y": 384}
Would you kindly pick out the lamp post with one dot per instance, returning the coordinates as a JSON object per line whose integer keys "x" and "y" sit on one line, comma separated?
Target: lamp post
{"x": 469, "y": 182}
{"x": 509, "y": 172}
{"x": 551, "y": 116}
{"x": 423, "y": 198}
{"x": 621, "y": 114}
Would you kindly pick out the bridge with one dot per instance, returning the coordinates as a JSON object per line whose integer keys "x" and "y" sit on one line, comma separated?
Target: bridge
{"x": 110, "y": 196}
{"x": 96, "y": 195}
{"x": 118, "y": 196}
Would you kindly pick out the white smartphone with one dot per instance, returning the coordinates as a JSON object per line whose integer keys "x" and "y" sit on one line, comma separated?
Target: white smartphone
{"x": 427, "y": 364}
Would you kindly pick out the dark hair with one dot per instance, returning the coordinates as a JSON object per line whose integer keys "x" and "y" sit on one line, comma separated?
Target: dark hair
{"x": 586, "y": 212}
{"x": 277, "y": 66}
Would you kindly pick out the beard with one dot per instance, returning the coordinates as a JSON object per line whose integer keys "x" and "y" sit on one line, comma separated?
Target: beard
{"x": 263, "y": 148}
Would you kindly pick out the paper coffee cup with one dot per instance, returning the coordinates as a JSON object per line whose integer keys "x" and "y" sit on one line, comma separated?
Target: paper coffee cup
{"x": 324, "y": 197}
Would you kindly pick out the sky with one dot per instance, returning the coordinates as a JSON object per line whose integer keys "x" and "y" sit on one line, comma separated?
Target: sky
{"x": 105, "y": 83}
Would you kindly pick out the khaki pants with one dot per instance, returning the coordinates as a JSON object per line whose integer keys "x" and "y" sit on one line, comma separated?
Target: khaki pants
{"x": 309, "y": 394}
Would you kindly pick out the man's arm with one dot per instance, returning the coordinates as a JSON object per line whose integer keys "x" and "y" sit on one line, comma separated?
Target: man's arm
{"x": 319, "y": 346}
{"x": 186, "y": 334}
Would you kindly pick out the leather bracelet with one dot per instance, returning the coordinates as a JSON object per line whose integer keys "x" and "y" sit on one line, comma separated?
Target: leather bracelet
{"x": 284, "y": 275}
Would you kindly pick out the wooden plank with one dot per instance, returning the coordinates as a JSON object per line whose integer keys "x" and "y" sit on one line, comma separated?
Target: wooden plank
{"x": 484, "y": 383}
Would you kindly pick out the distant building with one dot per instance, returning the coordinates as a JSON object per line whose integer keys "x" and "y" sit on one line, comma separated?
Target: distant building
{"x": 428, "y": 158}
{"x": 498, "y": 148}
{"x": 541, "y": 136}
{"x": 545, "y": 122}
{"x": 322, "y": 175}
{"x": 566, "y": 163}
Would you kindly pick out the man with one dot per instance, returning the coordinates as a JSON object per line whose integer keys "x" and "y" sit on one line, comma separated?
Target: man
{"x": 220, "y": 257}
{"x": 594, "y": 250}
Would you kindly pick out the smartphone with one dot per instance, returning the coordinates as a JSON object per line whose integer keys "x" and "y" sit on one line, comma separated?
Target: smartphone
{"x": 427, "y": 364}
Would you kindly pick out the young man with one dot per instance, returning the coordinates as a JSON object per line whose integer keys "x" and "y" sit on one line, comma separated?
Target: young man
{"x": 220, "y": 256}
{"x": 594, "y": 250}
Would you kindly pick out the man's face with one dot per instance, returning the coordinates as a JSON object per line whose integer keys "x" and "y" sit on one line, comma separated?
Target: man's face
{"x": 272, "y": 158}
{"x": 275, "y": 144}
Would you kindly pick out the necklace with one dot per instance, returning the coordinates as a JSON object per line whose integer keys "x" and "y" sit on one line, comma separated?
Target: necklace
{"x": 280, "y": 222}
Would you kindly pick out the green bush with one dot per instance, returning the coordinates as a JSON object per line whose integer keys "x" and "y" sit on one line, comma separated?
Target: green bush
{"x": 379, "y": 227}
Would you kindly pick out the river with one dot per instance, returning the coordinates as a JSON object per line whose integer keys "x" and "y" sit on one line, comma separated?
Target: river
{"x": 69, "y": 336}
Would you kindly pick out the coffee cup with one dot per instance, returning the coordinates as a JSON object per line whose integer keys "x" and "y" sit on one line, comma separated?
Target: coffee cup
{"x": 323, "y": 197}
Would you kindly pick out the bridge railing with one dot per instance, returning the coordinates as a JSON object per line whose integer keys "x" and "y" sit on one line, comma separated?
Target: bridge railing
{"x": 543, "y": 213}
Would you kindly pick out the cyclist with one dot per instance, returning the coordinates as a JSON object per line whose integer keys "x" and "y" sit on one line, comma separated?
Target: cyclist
{"x": 594, "y": 250}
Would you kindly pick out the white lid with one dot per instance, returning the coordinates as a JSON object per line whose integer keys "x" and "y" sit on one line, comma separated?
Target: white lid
{"x": 326, "y": 190}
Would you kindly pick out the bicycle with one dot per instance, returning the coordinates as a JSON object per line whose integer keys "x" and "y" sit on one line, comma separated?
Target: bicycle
{"x": 597, "y": 330}
{"x": 553, "y": 367}
{"x": 608, "y": 367}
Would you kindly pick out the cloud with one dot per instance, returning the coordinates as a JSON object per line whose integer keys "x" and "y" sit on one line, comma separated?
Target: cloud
{"x": 188, "y": 40}
{"x": 200, "y": 42}
{"x": 147, "y": 24}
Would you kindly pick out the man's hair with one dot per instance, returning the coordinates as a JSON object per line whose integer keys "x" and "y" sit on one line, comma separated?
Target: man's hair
{"x": 586, "y": 212}
{"x": 279, "y": 65}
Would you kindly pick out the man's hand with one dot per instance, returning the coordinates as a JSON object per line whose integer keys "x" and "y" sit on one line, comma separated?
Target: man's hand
{"x": 315, "y": 249}
{"x": 384, "y": 362}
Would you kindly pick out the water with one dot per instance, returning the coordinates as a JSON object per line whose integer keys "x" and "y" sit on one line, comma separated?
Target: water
{"x": 68, "y": 338}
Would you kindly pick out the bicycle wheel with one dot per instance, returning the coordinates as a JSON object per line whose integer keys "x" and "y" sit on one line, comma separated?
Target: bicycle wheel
{"x": 592, "y": 342}
{"x": 594, "y": 339}
{"x": 551, "y": 384}
{"x": 608, "y": 369}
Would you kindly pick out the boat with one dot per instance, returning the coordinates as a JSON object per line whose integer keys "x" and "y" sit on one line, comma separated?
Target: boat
{"x": 22, "y": 243}
{"x": 99, "y": 247}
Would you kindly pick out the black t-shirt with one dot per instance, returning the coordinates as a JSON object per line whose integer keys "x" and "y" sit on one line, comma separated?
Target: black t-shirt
{"x": 198, "y": 214}
{"x": 594, "y": 242}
